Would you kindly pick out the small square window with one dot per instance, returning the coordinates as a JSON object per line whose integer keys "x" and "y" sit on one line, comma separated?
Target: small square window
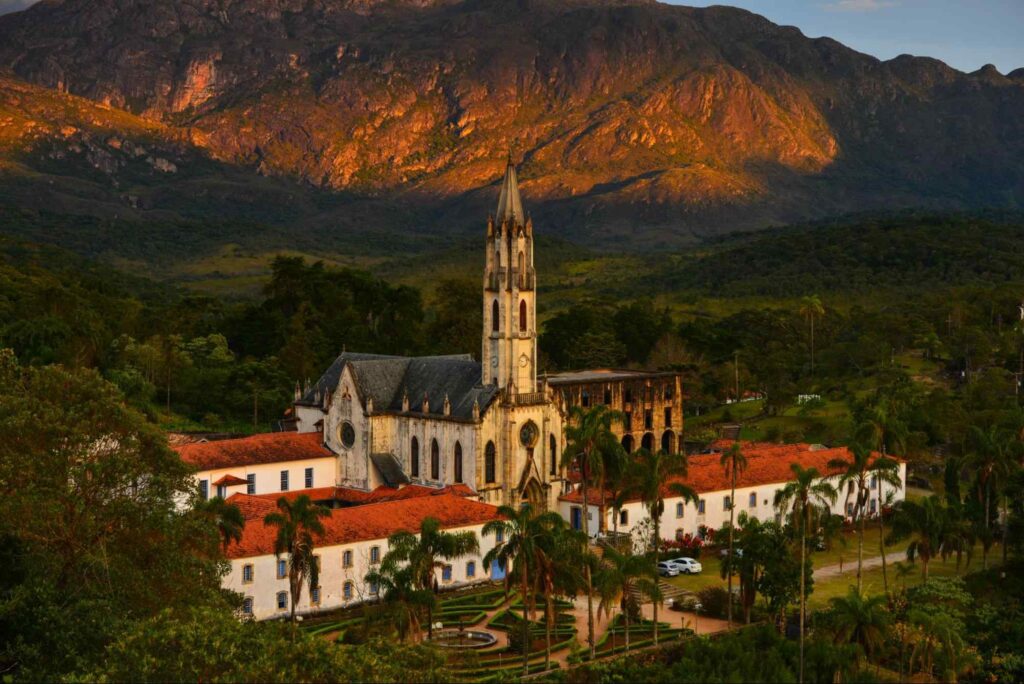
{"x": 204, "y": 489}
{"x": 346, "y": 558}
{"x": 282, "y": 569}
{"x": 752, "y": 502}
{"x": 309, "y": 478}
{"x": 374, "y": 554}
{"x": 314, "y": 596}
{"x": 446, "y": 573}
{"x": 282, "y": 600}
{"x": 247, "y": 605}
{"x": 700, "y": 506}
{"x": 250, "y": 483}
{"x": 247, "y": 573}
{"x": 623, "y": 517}
{"x": 346, "y": 591}
{"x": 284, "y": 480}
{"x": 471, "y": 569}
{"x": 680, "y": 507}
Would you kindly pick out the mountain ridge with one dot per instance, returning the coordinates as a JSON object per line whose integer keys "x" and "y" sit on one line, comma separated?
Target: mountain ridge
{"x": 639, "y": 125}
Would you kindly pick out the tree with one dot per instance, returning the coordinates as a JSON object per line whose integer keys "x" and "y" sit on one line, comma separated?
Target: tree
{"x": 807, "y": 497}
{"x": 734, "y": 463}
{"x": 860, "y": 620}
{"x": 402, "y": 594}
{"x": 562, "y": 552}
{"x": 426, "y": 553}
{"x": 526, "y": 535}
{"x": 651, "y": 471}
{"x": 928, "y": 522}
{"x": 811, "y": 308}
{"x": 589, "y": 436}
{"x": 297, "y": 522}
{"x": 225, "y": 516}
{"x": 991, "y": 460}
{"x": 622, "y": 575}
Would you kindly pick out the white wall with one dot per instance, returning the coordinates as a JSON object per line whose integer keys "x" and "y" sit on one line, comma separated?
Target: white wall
{"x": 268, "y": 475}
{"x": 333, "y": 575}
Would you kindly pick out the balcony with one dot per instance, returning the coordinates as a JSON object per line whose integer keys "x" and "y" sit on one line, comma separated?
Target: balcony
{"x": 526, "y": 398}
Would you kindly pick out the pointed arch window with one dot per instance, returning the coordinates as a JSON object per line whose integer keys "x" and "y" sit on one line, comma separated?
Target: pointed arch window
{"x": 414, "y": 458}
{"x": 494, "y": 315}
{"x": 435, "y": 460}
{"x": 553, "y": 448}
{"x": 458, "y": 462}
{"x": 522, "y": 315}
{"x": 490, "y": 465}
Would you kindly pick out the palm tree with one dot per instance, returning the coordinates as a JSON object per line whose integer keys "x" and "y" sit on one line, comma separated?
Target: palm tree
{"x": 526, "y": 536}
{"x": 734, "y": 463}
{"x": 561, "y": 555}
{"x": 886, "y": 471}
{"x": 989, "y": 457}
{"x": 928, "y": 521}
{"x": 227, "y": 518}
{"x": 297, "y": 522}
{"x": 621, "y": 574}
{"x": 399, "y": 587}
{"x": 806, "y": 497}
{"x": 860, "y": 620}
{"x": 651, "y": 472}
{"x": 811, "y": 307}
{"x": 588, "y": 437}
{"x": 426, "y": 553}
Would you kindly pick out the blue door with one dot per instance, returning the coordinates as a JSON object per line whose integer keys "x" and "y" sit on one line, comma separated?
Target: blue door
{"x": 497, "y": 570}
{"x": 576, "y": 518}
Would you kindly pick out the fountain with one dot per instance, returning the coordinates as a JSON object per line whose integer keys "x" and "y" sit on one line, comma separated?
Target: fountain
{"x": 461, "y": 638}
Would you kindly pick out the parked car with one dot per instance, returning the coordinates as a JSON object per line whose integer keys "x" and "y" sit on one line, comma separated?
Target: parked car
{"x": 687, "y": 566}
{"x": 667, "y": 569}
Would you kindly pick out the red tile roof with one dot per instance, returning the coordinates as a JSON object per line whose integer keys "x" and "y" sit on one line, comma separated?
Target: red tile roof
{"x": 767, "y": 463}
{"x": 357, "y": 497}
{"x": 273, "y": 447}
{"x": 363, "y": 523}
{"x": 229, "y": 480}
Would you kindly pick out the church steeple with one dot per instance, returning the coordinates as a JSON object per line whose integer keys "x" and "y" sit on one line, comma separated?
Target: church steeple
{"x": 510, "y": 205}
{"x": 510, "y": 322}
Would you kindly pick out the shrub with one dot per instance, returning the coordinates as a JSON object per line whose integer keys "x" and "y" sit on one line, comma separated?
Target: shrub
{"x": 714, "y": 601}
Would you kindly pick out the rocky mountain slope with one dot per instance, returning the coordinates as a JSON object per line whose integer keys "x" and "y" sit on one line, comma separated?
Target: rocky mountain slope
{"x": 639, "y": 124}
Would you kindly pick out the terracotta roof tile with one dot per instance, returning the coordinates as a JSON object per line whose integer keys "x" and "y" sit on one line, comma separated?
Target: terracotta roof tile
{"x": 363, "y": 523}
{"x": 272, "y": 447}
{"x": 229, "y": 480}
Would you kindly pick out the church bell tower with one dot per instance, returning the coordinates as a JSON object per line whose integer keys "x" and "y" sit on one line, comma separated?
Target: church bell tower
{"x": 509, "y": 357}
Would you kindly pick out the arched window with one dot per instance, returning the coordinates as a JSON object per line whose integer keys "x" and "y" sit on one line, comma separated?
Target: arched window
{"x": 648, "y": 441}
{"x": 435, "y": 460}
{"x": 494, "y": 315}
{"x": 668, "y": 442}
{"x": 414, "y": 458}
{"x": 553, "y": 447}
{"x": 522, "y": 315}
{"x": 458, "y": 462}
{"x": 627, "y": 443}
{"x": 489, "y": 463}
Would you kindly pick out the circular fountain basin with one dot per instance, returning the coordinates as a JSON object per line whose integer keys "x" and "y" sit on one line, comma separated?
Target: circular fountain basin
{"x": 454, "y": 638}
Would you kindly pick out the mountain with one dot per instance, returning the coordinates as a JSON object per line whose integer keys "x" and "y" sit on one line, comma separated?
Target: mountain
{"x": 639, "y": 124}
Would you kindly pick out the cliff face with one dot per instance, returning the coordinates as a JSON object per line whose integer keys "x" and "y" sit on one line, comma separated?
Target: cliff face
{"x": 638, "y": 123}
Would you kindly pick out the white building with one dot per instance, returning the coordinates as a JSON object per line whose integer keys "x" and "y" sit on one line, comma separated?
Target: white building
{"x": 355, "y": 541}
{"x": 768, "y": 471}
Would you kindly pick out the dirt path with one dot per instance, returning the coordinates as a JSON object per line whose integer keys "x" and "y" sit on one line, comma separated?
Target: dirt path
{"x": 850, "y": 568}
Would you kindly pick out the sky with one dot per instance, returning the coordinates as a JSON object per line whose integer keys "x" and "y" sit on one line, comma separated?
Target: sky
{"x": 966, "y": 34}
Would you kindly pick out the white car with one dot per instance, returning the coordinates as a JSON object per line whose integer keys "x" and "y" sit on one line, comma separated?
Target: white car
{"x": 667, "y": 569}
{"x": 689, "y": 566}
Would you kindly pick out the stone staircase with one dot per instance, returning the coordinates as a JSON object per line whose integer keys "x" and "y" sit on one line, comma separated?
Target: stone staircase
{"x": 668, "y": 591}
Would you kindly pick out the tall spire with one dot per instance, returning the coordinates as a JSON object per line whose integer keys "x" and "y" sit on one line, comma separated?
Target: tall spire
{"x": 510, "y": 205}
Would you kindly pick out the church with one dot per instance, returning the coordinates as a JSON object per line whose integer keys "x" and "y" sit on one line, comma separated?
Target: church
{"x": 448, "y": 420}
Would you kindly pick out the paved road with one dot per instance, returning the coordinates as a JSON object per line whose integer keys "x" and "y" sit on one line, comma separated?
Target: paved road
{"x": 850, "y": 567}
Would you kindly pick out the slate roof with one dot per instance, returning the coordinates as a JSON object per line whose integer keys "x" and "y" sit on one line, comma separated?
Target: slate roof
{"x": 386, "y": 379}
{"x": 390, "y": 470}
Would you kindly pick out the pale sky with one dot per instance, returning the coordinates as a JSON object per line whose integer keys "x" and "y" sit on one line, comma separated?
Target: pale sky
{"x": 965, "y": 34}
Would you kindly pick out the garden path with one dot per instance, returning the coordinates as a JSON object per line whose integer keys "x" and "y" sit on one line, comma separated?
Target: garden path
{"x": 830, "y": 571}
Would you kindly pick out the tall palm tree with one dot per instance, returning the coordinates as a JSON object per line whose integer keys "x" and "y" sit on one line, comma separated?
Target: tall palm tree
{"x": 860, "y": 620}
{"x": 526, "y": 536}
{"x": 810, "y": 308}
{"x": 297, "y": 523}
{"x": 561, "y": 556}
{"x": 928, "y": 522}
{"x": 426, "y": 553}
{"x": 588, "y": 437}
{"x": 401, "y": 592}
{"x": 734, "y": 463}
{"x": 886, "y": 472}
{"x": 806, "y": 497}
{"x": 989, "y": 457}
{"x": 651, "y": 472}
{"x": 227, "y": 518}
{"x": 620, "y": 576}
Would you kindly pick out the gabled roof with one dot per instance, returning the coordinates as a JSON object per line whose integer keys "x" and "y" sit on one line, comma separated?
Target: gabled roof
{"x": 229, "y": 481}
{"x": 273, "y": 447}
{"x": 510, "y": 205}
{"x": 390, "y": 469}
{"x": 356, "y": 497}
{"x": 364, "y": 523}
{"x": 387, "y": 379}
